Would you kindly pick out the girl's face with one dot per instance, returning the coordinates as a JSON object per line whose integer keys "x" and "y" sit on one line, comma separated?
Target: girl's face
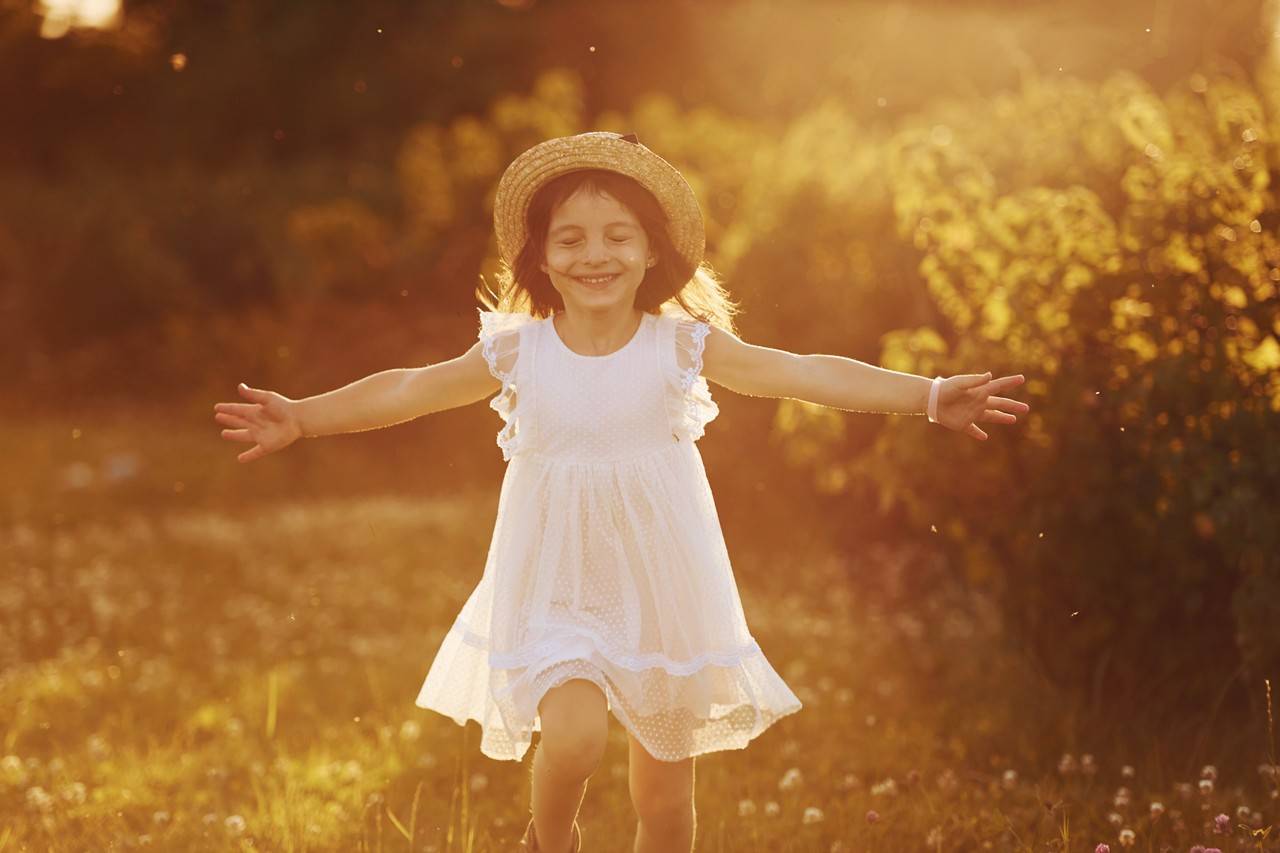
{"x": 596, "y": 251}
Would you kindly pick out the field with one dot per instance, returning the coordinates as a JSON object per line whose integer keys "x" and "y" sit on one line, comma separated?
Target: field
{"x": 224, "y": 671}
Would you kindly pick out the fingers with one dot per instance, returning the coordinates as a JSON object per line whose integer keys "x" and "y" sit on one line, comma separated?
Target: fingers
{"x": 995, "y": 417}
{"x": 976, "y": 432}
{"x": 255, "y": 452}
{"x": 231, "y": 420}
{"x": 237, "y": 435}
{"x": 973, "y": 380}
{"x": 255, "y": 394}
{"x": 244, "y": 410}
{"x": 1008, "y": 405}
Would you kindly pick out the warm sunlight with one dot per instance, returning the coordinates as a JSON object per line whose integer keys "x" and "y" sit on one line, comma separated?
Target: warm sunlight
{"x": 61, "y": 15}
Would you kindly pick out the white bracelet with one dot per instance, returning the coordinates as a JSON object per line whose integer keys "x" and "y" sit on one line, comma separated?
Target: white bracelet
{"x": 932, "y": 410}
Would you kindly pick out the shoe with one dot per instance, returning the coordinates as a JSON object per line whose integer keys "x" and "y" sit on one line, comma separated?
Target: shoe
{"x": 529, "y": 843}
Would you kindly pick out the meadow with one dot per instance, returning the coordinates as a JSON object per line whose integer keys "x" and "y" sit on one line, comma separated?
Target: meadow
{"x": 206, "y": 666}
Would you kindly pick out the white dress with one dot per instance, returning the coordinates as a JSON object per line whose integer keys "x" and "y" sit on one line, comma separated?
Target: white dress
{"x": 607, "y": 561}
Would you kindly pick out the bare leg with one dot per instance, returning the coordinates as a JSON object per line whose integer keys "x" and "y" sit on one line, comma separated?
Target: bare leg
{"x": 575, "y": 727}
{"x": 662, "y": 793}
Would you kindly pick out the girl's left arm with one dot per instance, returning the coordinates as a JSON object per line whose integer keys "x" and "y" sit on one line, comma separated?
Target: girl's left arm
{"x": 855, "y": 386}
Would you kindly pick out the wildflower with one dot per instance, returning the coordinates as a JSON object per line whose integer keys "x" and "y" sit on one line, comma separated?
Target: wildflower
{"x": 1206, "y": 786}
{"x": 873, "y": 816}
{"x": 1087, "y": 764}
{"x": 849, "y": 782}
{"x": 12, "y": 770}
{"x": 1102, "y": 848}
{"x": 772, "y": 809}
{"x": 1157, "y": 809}
{"x": 479, "y": 782}
{"x": 74, "y": 792}
{"x": 746, "y": 808}
{"x": 209, "y": 819}
{"x": 888, "y": 786}
{"x": 1115, "y": 819}
{"x": 1197, "y": 848}
{"x": 1127, "y": 837}
{"x": 235, "y": 824}
{"x": 934, "y": 838}
{"x": 791, "y": 779}
{"x": 160, "y": 818}
{"x": 1208, "y": 772}
{"x": 1242, "y": 812}
{"x": 947, "y": 780}
{"x": 1221, "y": 824}
{"x": 1009, "y": 780}
{"x": 1067, "y": 764}
{"x": 1127, "y": 771}
{"x": 144, "y": 840}
{"x": 812, "y": 815}
{"x": 410, "y": 730}
{"x": 1122, "y": 797}
{"x": 1268, "y": 771}
{"x": 38, "y": 798}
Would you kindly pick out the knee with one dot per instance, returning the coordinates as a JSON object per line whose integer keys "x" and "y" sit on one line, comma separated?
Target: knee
{"x": 662, "y": 805}
{"x": 574, "y": 755}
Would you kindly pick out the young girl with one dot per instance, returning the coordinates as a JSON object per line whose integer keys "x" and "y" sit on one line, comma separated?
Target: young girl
{"x": 607, "y": 586}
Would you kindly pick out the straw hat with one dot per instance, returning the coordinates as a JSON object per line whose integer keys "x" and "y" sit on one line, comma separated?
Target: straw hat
{"x": 596, "y": 150}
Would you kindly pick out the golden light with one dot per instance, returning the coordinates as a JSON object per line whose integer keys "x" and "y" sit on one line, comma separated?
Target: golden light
{"x": 61, "y": 15}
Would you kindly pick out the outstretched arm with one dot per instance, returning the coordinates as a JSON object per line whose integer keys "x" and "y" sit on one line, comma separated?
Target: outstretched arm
{"x": 855, "y": 386}
{"x": 272, "y": 421}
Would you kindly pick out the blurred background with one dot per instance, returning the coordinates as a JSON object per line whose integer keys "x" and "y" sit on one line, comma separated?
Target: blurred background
{"x": 296, "y": 194}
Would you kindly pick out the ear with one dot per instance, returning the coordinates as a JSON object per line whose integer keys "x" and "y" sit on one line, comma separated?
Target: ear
{"x": 651, "y": 262}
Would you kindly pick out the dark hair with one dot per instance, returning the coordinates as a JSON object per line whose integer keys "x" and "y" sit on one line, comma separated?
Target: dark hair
{"x": 525, "y": 287}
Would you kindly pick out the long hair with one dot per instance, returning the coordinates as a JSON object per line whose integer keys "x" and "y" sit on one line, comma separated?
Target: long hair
{"x": 670, "y": 286}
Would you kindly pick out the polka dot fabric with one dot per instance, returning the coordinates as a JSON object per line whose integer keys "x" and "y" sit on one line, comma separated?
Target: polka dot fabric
{"x": 607, "y": 561}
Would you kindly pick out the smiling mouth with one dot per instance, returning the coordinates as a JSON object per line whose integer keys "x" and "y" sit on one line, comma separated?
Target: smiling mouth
{"x": 596, "y": 280}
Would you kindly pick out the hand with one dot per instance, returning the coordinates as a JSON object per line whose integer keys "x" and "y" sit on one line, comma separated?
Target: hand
{"x": 969, "y": 397}
{"x": 270, "y": 421}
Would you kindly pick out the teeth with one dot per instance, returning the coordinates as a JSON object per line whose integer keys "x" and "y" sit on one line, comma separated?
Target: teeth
{"x": 597, "y": 280}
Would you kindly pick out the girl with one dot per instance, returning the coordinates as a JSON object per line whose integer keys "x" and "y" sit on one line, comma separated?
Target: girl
{"x": 607, "y": 586}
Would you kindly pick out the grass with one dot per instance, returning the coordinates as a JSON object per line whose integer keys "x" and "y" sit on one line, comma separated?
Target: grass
{"x": 219, "y": 674}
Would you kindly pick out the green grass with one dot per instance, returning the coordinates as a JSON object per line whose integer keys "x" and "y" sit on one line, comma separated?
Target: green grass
{"x": 228, "y": 676}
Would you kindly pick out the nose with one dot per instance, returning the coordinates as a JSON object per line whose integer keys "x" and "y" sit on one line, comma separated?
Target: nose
{"x": 595, "y": 251}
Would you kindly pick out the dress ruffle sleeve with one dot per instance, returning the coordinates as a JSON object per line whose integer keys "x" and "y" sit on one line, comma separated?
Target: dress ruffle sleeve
{"x": 689, "y": 404}
{"x": 500, "y": 337}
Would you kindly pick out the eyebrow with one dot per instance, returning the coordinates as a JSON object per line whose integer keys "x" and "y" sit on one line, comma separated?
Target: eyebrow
{"x": 579, "y": 227}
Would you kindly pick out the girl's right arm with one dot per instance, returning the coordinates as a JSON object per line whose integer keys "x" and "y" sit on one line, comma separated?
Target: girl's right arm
{"x": 272, "y": 421}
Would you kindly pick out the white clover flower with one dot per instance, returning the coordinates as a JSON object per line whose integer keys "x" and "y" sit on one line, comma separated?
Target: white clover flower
{"x": 160, "y": 818}
{"x": 1242, "y": 812}
{"x": 1115, "y": 819}
{"x": 235, "y": 824}
{"x": 73, "y": 792}
{"x": 1208, "y": 772}
{"x": 772, "y": 809}
{"x": 746, "y": 808}
{"x": 1067, "y": 764}
{"x": 1087, "y": 764}
{"x": 1127, "y": 837}
{"x": 1127, "y": 771}
{"x": 791, "y": 779}
{"x": 144, "y": 840}
{"x": 812, "y": 815}
{"x": 38, "y": 798}
{"x": 1157, "y": 809}
{"x": 888, "y": 788}
{"x": 1122, "y": 797}
{"x": 1206, "y": 786}
{"x": 1009, "y": 780}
